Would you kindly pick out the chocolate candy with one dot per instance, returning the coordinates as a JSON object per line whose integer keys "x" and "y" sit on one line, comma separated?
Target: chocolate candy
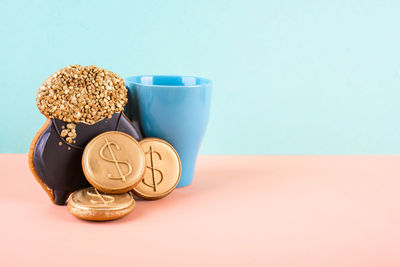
{"x": 163, "y": 169}
{"x": 94, "y": 205}
{"x": 113, "y": 162}
{"x": 56, "y": 164}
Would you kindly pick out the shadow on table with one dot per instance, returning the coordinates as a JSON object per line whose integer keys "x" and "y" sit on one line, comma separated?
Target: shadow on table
{"x": 206, "y": 182}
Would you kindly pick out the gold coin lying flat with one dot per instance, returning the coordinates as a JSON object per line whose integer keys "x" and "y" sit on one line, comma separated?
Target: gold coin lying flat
{"x": 113, "y": 162}
{"x": 163, "y": 169}
{"x": 91, "y": 204}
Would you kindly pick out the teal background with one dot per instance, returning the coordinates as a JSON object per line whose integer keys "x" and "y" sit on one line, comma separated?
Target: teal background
{"x": 290, "y": 77}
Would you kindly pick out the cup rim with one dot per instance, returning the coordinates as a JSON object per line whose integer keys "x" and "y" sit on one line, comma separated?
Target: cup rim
{"x": 204, "y": 81}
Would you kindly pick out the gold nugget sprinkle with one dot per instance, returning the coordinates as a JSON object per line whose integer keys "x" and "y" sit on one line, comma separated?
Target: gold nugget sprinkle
{"x": 69, "y": 133}
{"x": 78, "y": 94}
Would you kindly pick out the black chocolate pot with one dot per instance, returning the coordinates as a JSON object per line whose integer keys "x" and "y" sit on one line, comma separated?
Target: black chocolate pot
{"x": 57, "y": 164}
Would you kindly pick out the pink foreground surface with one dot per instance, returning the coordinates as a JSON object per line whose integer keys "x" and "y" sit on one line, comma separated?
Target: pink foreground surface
{"x": 240, "y": 211}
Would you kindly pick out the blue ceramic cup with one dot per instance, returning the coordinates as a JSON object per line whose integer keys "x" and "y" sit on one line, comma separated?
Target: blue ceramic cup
{"x": 173, "y": 108}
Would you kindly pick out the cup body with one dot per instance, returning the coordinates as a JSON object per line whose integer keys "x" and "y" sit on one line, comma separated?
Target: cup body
{"x": 173, "y": 108}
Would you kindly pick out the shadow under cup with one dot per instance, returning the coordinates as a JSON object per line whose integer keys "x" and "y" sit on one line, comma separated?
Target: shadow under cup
{"x": 173, "y": 108}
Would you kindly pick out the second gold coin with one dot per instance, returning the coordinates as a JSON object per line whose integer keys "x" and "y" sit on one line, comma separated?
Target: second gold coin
{"x": 113, "y": 162}
{"x": 163, "y": 169}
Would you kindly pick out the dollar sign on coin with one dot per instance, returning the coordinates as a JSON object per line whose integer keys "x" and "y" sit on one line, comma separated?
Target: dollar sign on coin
{"x": 116, "y": 162}
{"x": 154, "y": 171}
{"x": 101, "y": 198}
{"x": 113, "y": 162}
{"x": 163, "y": 169}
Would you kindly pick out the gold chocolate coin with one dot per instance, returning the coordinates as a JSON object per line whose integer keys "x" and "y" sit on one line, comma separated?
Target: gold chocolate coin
{"x": 163, "y": 169}
{"x": 91, "y": 204}
{"x": 113, "y": 162}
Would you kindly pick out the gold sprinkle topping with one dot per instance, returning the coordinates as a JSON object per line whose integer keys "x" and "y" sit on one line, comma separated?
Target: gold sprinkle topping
{"x": 78, "y": 94}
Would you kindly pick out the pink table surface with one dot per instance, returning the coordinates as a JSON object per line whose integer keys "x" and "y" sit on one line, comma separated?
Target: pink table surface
{"x": 240, "y": 211}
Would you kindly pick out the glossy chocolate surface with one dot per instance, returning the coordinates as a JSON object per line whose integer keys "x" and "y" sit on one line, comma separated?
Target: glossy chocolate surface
{"x": 58, "y": 164}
